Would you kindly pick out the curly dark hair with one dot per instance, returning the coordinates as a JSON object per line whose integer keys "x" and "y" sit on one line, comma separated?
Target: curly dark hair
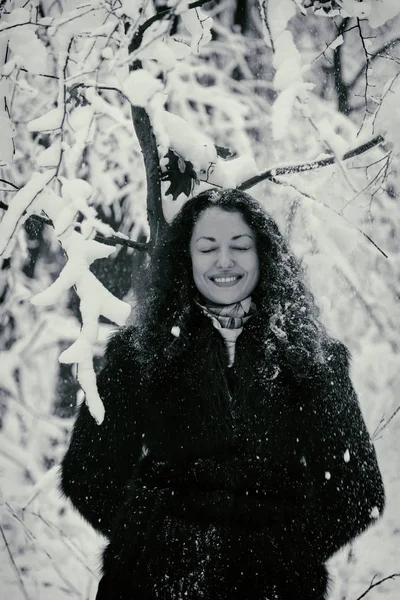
{"x": 292, "y": 330}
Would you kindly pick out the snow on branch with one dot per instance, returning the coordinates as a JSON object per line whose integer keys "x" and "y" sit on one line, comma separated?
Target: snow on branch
{"x": 270, "y": 174}
{"x": 20, "y": 209}
{"x": 95, "y": 299}
{"x": 218, "y": 177}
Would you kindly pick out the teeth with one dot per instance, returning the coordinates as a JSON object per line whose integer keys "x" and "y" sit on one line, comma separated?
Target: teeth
{"x": 225, "y": 279}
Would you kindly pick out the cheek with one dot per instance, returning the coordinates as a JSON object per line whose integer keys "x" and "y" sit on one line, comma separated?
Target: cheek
{"x": 199, "y": 265}
{"x": 251, "y": 265}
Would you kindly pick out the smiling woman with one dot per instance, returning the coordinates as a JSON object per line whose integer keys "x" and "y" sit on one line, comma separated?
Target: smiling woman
{"x": 233, "y": 459}
{"x": 224, "y": 256}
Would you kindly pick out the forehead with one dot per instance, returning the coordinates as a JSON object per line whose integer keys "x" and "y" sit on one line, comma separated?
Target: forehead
{"x": 220, "y": 224}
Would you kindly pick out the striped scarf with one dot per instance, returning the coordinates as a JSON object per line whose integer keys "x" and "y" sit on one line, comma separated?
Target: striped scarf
{"x": 229, "y": 320}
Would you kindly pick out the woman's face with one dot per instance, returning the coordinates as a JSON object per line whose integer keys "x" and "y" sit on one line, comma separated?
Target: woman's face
{"x": 224, "y": 257}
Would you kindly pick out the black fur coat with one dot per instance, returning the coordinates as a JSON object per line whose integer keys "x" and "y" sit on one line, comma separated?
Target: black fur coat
{"x": 213, "y": 482}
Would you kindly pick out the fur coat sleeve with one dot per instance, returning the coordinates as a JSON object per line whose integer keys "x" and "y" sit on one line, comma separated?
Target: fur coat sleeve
{"x": 346, "y": 494}
{"x": 100, "y": 458}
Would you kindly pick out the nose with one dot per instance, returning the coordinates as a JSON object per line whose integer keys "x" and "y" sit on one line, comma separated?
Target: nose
{"x": 225, "y": 259}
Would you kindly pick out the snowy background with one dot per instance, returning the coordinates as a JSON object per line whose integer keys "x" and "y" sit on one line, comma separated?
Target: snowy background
{"x": 279, "y": 84}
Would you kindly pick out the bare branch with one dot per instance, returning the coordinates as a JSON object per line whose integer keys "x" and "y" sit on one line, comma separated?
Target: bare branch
{"x": 383, "y": 424}
{"x": 270, "y": 174}
{"x": 162, "y": 14}
{"x": 373, "y": 585}
{"x": 372, "y": 57}
{"x": 339, "y": 214}
{"x": 18, "y": 574}
{"x": 9, "y": 183}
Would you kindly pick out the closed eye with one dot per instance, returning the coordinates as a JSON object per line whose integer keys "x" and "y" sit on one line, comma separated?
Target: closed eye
{"x": 241, "y": 249}
{"x": 207, "y": 250}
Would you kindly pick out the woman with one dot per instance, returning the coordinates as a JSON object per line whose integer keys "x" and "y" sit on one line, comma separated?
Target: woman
{"x": 233, "y": 460}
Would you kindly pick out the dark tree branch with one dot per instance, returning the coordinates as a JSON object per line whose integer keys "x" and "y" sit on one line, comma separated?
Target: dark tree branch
{"x": 372, "y": 57}
{"x": 373, "y": 585}
{"x": 150, "y": 154}
{"x": 311, "y": 166}
{"x": 148, "y": 146}
{"x": 112, "y": 240}
{"x": 162, "y": 14}
{"x": 9, "y": 183}
{"x": 341, "y": 88}
{"x": 146, "y": 138}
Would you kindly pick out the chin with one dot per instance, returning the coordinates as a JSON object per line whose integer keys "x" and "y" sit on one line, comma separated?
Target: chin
{"x": 227, "y": 298}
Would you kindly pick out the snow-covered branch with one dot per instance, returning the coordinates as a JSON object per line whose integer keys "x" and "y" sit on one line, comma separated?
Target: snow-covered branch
{"x": 310, "y": 166}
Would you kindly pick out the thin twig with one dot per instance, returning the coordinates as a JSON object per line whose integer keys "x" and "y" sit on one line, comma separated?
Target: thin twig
{"x": 310, "y": 166}
{"x": 373, "y": 585}
{"x": 9, "y": 183}
{"x": 18, "y": 574}
{"x": 372, "y": 57}
{"x": 384, "y": 423}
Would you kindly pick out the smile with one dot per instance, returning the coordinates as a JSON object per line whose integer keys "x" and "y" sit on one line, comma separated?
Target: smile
{"x": 226, "y": 281}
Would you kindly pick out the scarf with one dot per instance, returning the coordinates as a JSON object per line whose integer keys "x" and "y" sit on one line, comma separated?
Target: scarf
{"x": 229, "y": 320}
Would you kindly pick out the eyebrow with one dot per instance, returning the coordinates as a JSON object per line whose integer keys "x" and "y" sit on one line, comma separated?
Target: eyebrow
{"x": 235, "y": 237}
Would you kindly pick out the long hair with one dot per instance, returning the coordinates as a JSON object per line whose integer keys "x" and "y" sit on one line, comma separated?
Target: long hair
{"x": 292, "y": 332}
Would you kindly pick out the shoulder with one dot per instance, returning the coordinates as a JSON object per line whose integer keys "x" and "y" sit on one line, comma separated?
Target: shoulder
{"x": 335, "y": 360}
{"x": 327, "y": 385}
{"x": 121, "y": 346}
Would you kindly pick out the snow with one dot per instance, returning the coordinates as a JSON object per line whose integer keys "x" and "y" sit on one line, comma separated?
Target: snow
{"x": 375, "y": 514}
{"x": 381, "y": 11}
{"x": 140, "y": 86}
{"x": 28, "y": 50}
{"x": 176, "y": 331}
{"x": 287, "y": 62}
{"x": 130, "y": 9}
{"x": 231, "y": 173}
{"x": 6, "y": 143}
{"x": 51, "y": 156}
{"x": 199, "y": 26}
{"x": 336, "y": 43}
{"x": 387, "y": 116}
{"x": 22, "y": 201}
{"x": 47, "y": 122}
{"x": 55, "y": 551}
{"x": 76, "y": 190}
{"x": 190, "y": 143}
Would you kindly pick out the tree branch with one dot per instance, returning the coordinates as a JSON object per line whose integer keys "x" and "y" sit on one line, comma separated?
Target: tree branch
{"x": 383, "y": 424}
{"x": 112, "y": 240}
{"x": 18, "y": 574}
{"x": 373, "y": 585}
{"x": 341, "y": 88}
{"x": 372, "y": 57}
{"x": 146, "y": 138}
{"x": 148, "y": 146}
{"x": 270, "y": 174}
{"x": 166, "y": 12}
{"x": 9, "y": 183}
{"x": 157, "y": 221}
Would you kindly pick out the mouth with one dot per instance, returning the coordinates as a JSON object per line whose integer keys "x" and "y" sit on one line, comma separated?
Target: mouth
{"x": 226, "y": 281}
